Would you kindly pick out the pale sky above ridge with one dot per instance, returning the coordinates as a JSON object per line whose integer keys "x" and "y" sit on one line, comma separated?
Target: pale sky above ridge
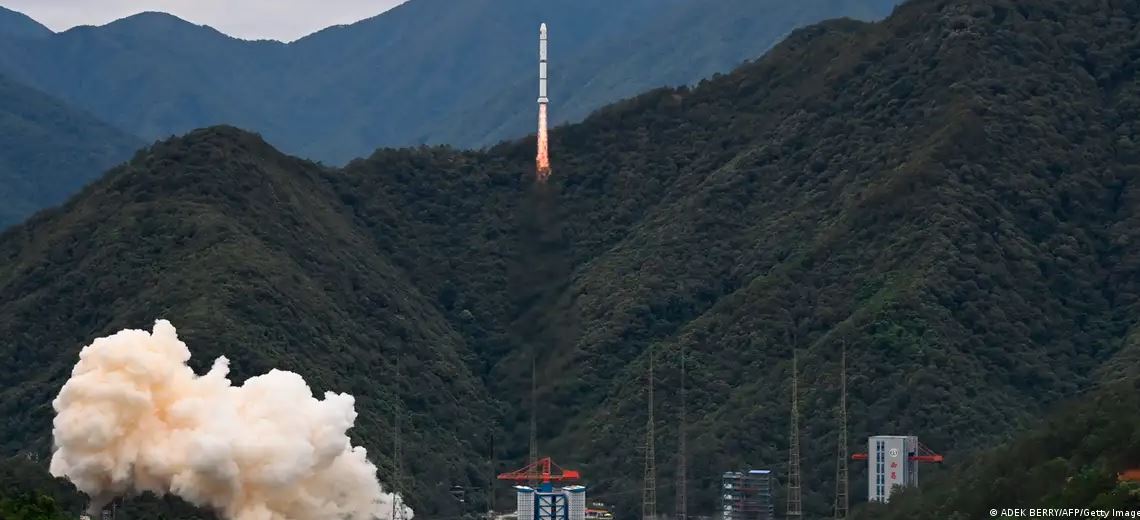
{"x": 284, "y": 20}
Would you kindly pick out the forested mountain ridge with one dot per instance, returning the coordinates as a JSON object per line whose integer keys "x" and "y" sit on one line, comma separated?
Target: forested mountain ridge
{"x": 407, "y": 76}
{"x": 948, "y": 192}
{"x": 251, "y": 256}
{"x": 890, "y": 205}
{"x": 48, "y": 150}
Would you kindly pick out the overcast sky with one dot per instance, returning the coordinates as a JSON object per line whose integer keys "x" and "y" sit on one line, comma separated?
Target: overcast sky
{"x": 284, "y": 20}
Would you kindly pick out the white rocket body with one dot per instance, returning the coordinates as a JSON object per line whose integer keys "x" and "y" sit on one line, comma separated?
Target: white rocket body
{"x": 542, "y": 99}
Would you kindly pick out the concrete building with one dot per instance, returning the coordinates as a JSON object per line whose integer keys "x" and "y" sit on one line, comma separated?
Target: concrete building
{"x": 892, "y": 461}
{"x": 747, "y": 495}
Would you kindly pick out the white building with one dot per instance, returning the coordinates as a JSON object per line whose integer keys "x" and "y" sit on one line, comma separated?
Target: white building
{"x": 549, "y": 503}
{"x": 891, "y": 464}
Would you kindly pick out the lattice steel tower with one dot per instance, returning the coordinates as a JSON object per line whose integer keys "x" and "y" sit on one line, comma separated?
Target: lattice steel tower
{"x": 682, "y": 453}
{"x": 533, "y": 459}
{"x": 795, "y": 507}
{"x": 841, "y": 482}
{"x": 397, "y": 466}
{"x": 649, "y": 493}
{"x": 491, "y": 480}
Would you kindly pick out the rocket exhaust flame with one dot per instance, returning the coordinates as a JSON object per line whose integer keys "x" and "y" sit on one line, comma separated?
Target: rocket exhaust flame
{"x": 134, "y": 417}
{"x": 542, "y": 162}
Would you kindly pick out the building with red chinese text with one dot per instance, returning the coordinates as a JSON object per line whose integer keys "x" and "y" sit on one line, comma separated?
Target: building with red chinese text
{"x": 892, "y": 464}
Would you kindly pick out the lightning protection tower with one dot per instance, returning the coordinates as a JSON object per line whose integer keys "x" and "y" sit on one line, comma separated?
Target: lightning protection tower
{"x": 649, "y": 493}
{"x": 841, "y": 482}
{"x": 682, "y": 455}
{"x": 533, "y": 459}
{"x": 397, "y": 469}
{"x": 795, "y": 508}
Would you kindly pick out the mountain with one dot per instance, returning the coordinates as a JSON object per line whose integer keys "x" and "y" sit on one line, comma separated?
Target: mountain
{"x": 151, "y": 74}
{"x": 18, "y": 25}
{"x": 260, "y": 262}
{"x": 949, "y": 193}
{"x": 48, "y": 150}
{"x": 428, "y": 71}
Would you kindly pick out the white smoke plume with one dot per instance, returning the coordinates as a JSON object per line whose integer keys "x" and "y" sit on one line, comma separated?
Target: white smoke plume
{"x": 134, "y": 417}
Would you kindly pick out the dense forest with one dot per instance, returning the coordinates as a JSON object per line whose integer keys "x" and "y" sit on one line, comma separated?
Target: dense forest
{"x": 1072, "y": 459}
{"x": 949, "y": 193}
{"x": 27, "y": 492}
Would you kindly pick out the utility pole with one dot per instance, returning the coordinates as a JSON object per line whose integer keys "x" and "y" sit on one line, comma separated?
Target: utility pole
{"x": 795, "y": 508}
{"x": 841, "y": 482}
{"x": 533, "y": 413}
{"x": 649, "y": 494}
{"x": 682, "y": 454}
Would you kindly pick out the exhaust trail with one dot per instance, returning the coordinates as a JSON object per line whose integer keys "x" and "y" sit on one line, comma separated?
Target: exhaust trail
{"x": 542, "y": 161}
{"x": 134, "y": 417}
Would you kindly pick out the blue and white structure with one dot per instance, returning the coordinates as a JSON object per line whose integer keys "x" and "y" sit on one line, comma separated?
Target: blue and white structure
{"x": 550, "y": 503}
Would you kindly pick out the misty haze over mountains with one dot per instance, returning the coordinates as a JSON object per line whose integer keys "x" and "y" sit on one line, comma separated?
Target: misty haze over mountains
{"x": 245, "y": 19}
{"x": 428, "y": 71}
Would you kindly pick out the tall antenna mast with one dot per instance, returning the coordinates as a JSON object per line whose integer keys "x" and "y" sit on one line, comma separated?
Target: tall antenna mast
{"x": 533, "y": 413}
{"x": 649, "y": 494}
{"x": 841, "y": 483}
{"x": 682, "y": 452}
{"x": 491, "y": 481}
{"x": 397, "y": 469}
{"x": 795, "y": 509}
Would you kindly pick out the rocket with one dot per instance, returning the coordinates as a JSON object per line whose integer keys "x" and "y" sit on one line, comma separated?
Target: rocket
{"x": 542, "y": 160}
{"x": 542, "y": 99}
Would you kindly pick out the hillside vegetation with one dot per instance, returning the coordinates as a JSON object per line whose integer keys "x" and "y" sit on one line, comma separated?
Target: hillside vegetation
{"x": 252, "y": 256}
{"x": 48, "y": 150}
{"x": 950, "y": 193}
{"x": 27, "y": 492}
{"x": 1071, "y": 460}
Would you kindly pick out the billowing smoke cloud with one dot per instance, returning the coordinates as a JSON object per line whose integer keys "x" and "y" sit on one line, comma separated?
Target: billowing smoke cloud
{"x": 134, "y": 417}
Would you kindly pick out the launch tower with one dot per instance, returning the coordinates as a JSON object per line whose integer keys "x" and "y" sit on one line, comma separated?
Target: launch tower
{"x": 545, "y": 501}
{"x": 895, "y": 459}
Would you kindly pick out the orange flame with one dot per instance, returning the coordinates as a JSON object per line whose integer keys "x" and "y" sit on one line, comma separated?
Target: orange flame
{"x": 542, "y": 162}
